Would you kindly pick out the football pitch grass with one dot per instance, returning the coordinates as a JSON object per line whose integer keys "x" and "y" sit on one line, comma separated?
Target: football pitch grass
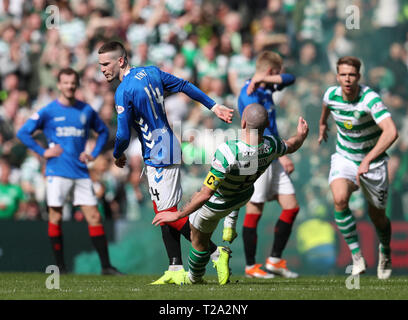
{"x": 32, "y": 286}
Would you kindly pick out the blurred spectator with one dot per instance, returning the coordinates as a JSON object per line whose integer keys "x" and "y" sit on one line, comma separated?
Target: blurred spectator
{"x": 241, "y": 67}
{"x": 12, "y": 199}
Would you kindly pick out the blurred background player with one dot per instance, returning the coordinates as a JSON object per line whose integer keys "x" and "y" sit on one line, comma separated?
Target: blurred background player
{"x": 236, "y": 165}
{"x": 66, "y": 123}
{"x": 365, "y": 130}
{"x": 139, "y": 104}
{"x": 275, "y": 183}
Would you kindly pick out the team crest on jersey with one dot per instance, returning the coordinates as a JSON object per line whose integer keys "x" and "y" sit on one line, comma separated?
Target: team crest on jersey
{"x": 35, "y": 116}
{"x": 119, "y": 109}
{"x": 357, "y": 115}
{"x": 348, "y": 124}
{"x": 82, "y": 118}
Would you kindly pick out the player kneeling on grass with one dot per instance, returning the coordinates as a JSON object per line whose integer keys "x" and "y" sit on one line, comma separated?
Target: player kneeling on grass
{"x": 229, "y": 185}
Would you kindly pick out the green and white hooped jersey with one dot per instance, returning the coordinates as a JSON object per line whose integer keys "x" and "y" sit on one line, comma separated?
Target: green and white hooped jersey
{"x": 356, "y": 121}
{"x": 235, "y": 167}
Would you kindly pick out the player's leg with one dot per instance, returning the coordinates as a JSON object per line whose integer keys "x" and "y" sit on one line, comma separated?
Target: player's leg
{"x": 98, "y": 238}
{"x": 203, "y": 222}
{"x": 249, "y": 234}
{"x": 229, "y": 232}
{"x": 57, "y": 190}
{"x": 341, "y": 190}
{"x": 342, "y": 181}
{"x": 253, "y": 214}
{"x": 250, "y": 238}
{"x": 374, "y": 185}
{"x": 283, "y": 228}
{"x": 55, "y": 236}
{"x": 84, "y": 197}
{"x": 165, "y": 191}
{"x": 283, "y": 191}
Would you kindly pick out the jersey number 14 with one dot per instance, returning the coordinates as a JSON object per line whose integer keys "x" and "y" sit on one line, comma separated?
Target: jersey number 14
{"x": 156, "y": 94}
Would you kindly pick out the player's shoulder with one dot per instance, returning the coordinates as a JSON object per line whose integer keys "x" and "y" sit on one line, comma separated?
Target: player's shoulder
{"x": 82, "y": 105}
{"x": 330, "y": 92}
{"x": 48, "y": 109}
{"x": 368, "y": 95}
{"x": 229, "y": 149}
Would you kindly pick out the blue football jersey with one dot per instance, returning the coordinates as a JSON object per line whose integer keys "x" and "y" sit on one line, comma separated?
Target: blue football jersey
{"x": 69, "y": 127}
{"x": 139, "y": 103}
{"x": 263, "y": 96}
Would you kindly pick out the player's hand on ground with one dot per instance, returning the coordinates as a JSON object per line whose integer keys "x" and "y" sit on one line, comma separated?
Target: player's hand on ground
{"x": 323, "y": 129}
{"x": 287, "y": 164}
{"x": 362, "y": 169}
{"x": 52, "y": 152}
{"x": 222, "y": 112}
{"x": 85, "y": 157}
{"x": 302, "y": 128}
{"x": 121, "y": 161}
{"x": 164, "y": 217}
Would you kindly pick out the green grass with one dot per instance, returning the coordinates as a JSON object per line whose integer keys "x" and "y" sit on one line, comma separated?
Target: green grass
{"x": 22, "y": 286}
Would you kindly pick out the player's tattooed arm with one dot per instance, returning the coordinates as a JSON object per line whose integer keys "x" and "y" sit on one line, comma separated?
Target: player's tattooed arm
{"x": 197, "y": 201}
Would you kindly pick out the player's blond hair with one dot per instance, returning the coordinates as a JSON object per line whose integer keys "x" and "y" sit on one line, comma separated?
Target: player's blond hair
{"x": 268, "y": 59}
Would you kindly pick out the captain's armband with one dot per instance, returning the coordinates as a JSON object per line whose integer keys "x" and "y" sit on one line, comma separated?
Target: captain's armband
{"x": 212, "y": 181}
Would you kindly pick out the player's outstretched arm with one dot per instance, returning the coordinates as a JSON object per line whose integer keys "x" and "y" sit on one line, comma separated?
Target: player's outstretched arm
{"x": 295, "y": 142}
{"x": 222, "y": 112}
{"x": 196, "y": 202}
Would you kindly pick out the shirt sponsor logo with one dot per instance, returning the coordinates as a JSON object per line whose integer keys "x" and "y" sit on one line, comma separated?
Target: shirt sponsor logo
{"x": 57, "y": 119}
{"x": 69, "y": 132}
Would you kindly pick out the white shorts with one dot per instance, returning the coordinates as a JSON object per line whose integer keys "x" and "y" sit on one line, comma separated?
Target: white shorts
{"x": 374, "y": 184}
{"x": 164, "y": 186}
{"x": 59, "y": 188}
{"x": 272, "y": 182}
{"x": 207, "y": 220}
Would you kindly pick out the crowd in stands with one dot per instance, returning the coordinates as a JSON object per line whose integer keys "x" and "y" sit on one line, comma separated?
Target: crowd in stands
{"x": 214, "y": 45}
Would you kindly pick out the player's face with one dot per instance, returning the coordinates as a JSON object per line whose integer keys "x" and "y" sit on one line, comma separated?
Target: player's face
{"x": 110, "y": 65}
{"x": 68, "y": 85}
{"x": 348, "y": 77}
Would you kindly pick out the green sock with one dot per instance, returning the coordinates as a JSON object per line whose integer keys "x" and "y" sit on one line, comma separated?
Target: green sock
{"x": 197, "y": 261}
{"x": 384, "y": 236}
{"x": 347, "y": 225}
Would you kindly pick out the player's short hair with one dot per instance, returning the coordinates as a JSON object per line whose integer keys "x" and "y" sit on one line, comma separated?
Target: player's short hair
{"x": 113, "y": 46}
{"x": 256, "y": 116}
{"x": 267, "y": 59}
{"x": 350, "y": 61}
{"x": 68, "y": 71}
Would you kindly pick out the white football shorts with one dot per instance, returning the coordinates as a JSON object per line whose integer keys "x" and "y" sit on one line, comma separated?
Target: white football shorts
{"x": 206, "y": 220}
{"x": 272, "y": 182}
{"x": 164, "y": 186}
{"x": 374, "y": 184}
{"x": 58, "y": 189}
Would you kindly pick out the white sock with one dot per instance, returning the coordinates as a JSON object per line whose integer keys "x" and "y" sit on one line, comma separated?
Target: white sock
{"x": 215, "y": 255}
{"x": 230, "y": 221}
{"x": 176, "y": 267}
